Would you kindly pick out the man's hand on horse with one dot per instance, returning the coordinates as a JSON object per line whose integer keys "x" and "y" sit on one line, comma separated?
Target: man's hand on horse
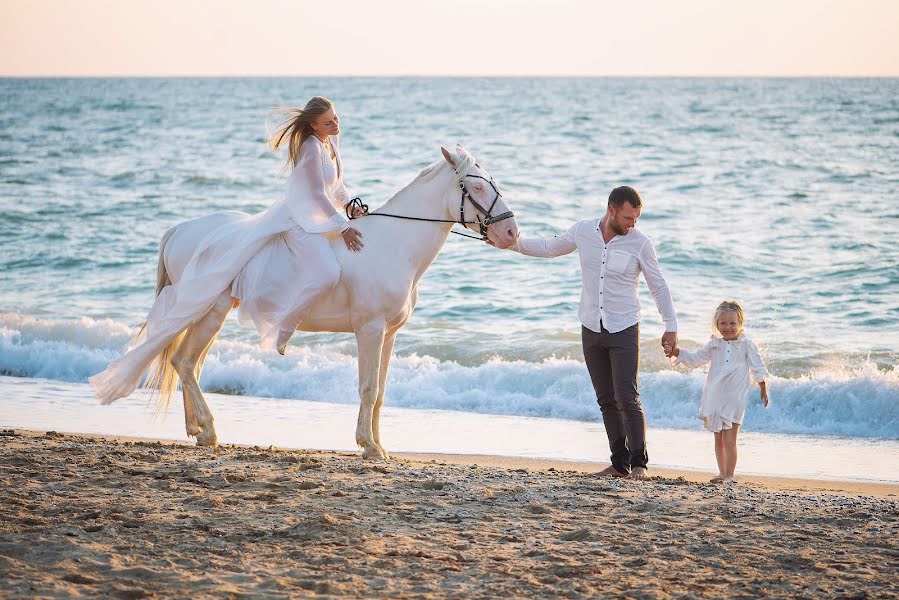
{"x": 490, "y": 243}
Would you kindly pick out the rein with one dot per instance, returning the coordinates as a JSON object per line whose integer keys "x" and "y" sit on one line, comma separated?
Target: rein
{"x": 482, "y": 224}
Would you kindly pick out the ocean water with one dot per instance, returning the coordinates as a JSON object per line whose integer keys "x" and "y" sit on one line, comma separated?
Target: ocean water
{"x": 781, "y": 193}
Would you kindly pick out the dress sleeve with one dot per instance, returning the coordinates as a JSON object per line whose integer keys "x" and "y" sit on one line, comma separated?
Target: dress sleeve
{"x": 757, "y": 368}
{"x": 652, "y": 273}
{"x": 695, "y": 359}
{"x": 307, "y": 196}
{"x": 548, "y": 247}
{"x": 341, "y": 194}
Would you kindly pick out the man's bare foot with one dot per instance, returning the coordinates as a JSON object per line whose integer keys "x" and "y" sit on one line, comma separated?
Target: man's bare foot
{"x": 637, "y": 474}
{"x": 611, "y": 471}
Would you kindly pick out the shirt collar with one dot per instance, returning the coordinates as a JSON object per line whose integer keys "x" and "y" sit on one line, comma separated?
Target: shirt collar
{"x": 721, "y": 339}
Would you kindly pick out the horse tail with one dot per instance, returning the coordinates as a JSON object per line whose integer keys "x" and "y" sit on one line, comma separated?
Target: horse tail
{"x": 161, "y": 377}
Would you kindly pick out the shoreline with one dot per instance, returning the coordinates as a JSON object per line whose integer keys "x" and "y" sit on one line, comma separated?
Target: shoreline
{"x": 800, "y": 484}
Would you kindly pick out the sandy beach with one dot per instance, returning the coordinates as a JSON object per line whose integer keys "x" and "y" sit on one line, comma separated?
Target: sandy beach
{"x": 91, "y": 516}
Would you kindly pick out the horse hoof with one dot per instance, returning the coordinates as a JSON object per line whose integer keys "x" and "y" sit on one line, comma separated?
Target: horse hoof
{"x": 371, "y": 453}
{"x": 384, "y": 454}
{"x": 207, "y": 438}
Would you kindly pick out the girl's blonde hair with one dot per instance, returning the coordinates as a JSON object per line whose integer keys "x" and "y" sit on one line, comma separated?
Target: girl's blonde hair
{"x": 728, "y": 306}
{"x": 296, "y": 126}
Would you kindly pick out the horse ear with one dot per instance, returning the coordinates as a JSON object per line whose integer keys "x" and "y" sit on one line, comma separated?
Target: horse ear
{"x": 449, "y": 157}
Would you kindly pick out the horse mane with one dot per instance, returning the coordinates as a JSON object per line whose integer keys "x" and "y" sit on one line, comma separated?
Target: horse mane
{"x": 425, "y": 175}
{"x": 430, "y": 172}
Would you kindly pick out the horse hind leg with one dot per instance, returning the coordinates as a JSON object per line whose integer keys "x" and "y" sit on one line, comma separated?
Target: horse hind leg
{"x": 187, "y": 362}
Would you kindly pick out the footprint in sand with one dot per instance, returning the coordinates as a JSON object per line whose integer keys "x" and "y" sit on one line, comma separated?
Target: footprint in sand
{"x": 578, "y": 535}
{"x": 433, "y": 484}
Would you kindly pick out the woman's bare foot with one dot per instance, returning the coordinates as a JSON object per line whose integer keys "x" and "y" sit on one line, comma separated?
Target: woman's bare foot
{"x": 637, "y": 474}
{"x": 283, "y": 337}
{"x": 611, "y": 471}
{"x": 717, "y": 479}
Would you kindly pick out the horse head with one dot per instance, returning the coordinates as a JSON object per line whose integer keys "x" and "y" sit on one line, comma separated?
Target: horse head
{"x": 479, "y": 203}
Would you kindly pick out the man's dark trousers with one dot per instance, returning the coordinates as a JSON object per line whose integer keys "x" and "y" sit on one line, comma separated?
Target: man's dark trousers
{"x": 612, "y": 360}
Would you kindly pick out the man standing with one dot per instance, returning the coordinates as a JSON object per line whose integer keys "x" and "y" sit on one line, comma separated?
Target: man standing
{"x": 613, "y": 253}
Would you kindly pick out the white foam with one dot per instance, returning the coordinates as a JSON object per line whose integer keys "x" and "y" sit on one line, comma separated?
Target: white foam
{"x": 860, "y": 402}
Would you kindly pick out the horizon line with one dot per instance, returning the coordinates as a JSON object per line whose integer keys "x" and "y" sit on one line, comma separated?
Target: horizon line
{"x": 450, "y": 76}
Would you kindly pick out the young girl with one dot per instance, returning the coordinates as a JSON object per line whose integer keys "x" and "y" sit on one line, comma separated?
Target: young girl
{"x": 736, "y": 364}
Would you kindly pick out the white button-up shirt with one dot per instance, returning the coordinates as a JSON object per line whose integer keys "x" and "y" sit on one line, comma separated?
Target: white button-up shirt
{"x": 610, "y": 272}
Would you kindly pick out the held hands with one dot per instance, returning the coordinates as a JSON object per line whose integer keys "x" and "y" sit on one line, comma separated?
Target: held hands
{"x": 669, "y": 344}
{"x": 352, "y": 237}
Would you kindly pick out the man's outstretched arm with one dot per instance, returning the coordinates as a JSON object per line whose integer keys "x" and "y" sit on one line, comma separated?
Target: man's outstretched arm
{"x": 547, "y": 247}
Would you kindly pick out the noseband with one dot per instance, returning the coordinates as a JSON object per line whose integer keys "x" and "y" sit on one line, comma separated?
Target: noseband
{"x": 482, "y": 224}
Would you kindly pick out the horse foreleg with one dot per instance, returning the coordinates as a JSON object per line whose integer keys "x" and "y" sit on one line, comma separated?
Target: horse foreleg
{"x": 369, "y": 341}
{"x": 386, "y": 353}
{"x": 197, "y": 340}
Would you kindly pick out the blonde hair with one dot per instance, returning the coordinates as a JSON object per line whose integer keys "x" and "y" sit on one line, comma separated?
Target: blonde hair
{"x": 728, "y": 306}
{"x": 296, "y": 126}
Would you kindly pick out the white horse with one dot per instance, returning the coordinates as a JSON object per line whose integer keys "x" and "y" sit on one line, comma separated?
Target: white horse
{"x": 377, "y": 292}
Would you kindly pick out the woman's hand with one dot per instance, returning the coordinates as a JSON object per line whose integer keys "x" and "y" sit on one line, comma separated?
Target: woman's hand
{"x": 352, "y": 237}
{"x": 763, "y": 393}
{"x": 358, "y": 211}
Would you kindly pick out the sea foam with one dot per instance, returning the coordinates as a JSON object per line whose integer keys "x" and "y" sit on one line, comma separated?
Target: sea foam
{"x": 859, "y": 401}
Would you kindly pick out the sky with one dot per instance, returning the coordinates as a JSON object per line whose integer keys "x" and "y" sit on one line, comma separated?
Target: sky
{"x": 459, "y": 37}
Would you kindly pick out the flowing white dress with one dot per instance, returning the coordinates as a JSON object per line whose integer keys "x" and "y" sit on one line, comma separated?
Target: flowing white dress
{"x": 276, "y": 263}
{"x": 736, "y": 366}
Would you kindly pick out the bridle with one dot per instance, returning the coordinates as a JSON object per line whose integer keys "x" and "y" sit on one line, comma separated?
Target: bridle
{"x": 482, "y": 224}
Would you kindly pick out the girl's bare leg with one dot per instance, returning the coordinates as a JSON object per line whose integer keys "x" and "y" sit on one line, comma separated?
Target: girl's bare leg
{"x": 719, "y": 455}
{"x": 730, "y": 448}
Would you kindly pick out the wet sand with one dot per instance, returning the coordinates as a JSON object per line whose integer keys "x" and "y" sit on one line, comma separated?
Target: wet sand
{"x": 92, "y": 516}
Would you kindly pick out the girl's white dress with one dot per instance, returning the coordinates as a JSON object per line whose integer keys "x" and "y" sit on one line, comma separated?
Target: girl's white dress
{"x": 276, "y": 263}
{"x": 736, "y": 366}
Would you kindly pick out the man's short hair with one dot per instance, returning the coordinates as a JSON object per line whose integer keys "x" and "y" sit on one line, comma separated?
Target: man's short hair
{"x": 625, "y": 193}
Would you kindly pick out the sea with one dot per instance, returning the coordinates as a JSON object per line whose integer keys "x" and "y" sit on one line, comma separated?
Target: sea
{"x": 780, "y": 193}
